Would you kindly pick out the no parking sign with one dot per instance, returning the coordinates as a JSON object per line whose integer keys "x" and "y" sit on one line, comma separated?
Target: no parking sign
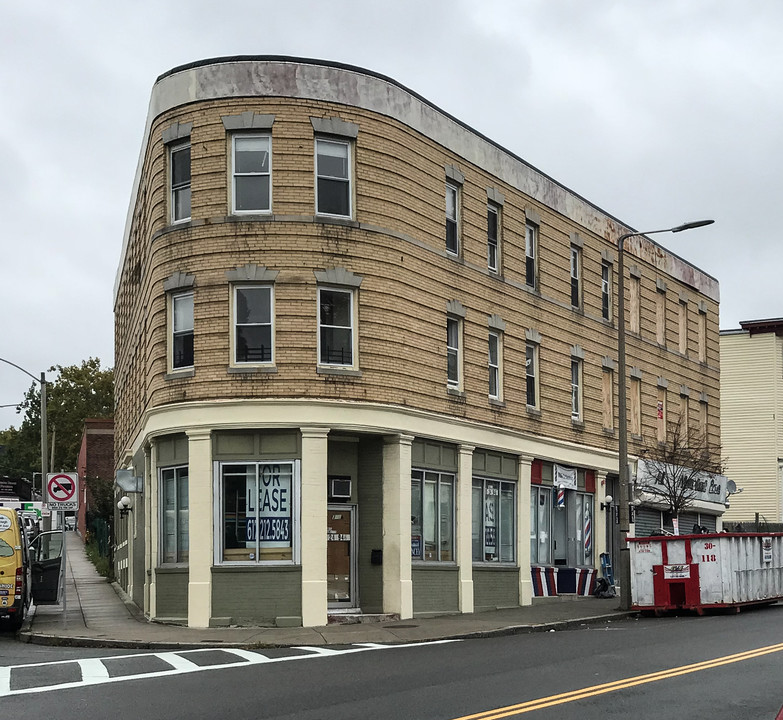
{"x": 62, "y": 491}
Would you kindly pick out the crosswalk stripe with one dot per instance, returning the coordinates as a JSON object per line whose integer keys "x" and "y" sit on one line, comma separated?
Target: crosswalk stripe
{"x": 93, "y": 670}
{"x": 252, "y": 657}
{"x": 5, "y": 680}
{"x": 177, "y": 661}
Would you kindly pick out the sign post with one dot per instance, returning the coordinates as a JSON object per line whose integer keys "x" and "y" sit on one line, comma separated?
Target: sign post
{"x": 62, "y": 493}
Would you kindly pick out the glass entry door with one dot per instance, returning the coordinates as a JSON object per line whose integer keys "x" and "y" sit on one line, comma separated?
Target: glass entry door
{"x": 341, "y": 556}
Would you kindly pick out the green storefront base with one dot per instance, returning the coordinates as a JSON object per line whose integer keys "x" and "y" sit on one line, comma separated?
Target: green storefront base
{"x": 495, "y": 588}
{"x": 435, "y": 590}
{"x": 267, "y": 596}
{"x": 171, "y": 593}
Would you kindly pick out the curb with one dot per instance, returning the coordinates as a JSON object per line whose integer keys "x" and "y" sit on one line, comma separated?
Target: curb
{"x": 28, "y": 636}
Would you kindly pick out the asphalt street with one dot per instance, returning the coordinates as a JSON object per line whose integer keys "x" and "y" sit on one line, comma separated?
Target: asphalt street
{"x": 720, "y": 666}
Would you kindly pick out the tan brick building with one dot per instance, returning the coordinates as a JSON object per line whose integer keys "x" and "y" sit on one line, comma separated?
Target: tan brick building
{"x": 359, "y": 349}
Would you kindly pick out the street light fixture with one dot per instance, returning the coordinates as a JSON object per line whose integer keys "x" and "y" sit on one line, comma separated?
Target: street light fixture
{"x": 42, "y": 382}
{"x": 624, "y": 564}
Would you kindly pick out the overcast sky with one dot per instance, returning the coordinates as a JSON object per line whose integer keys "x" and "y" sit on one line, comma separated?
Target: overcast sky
{"x": 657, "y": 112}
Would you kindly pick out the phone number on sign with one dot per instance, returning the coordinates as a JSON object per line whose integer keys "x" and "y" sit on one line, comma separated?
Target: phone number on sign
{"x": 272, "y": 529}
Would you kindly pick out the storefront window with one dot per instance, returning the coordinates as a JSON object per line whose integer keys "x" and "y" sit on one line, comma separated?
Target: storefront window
{"x": 174, "y": 520}
{"x": 432, "y": 516}
{"x": 540, "y": 526}
{"x": 493, "y": 520}
{"x": 584, "y": 529}
{"x": 258, "y": 509}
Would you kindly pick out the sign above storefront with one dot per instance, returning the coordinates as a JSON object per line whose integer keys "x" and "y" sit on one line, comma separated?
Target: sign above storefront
{"x": 706, "y": 487}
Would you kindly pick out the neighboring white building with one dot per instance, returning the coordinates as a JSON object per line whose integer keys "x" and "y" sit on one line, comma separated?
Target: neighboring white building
{"x": 751, "y": 388}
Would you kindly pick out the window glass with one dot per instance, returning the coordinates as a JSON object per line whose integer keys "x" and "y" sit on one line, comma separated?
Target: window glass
{"x": 180, "y": 183}
{"x": 174, "y": 511}
{"x": 575, "y": 274}
{"x": 605, "y": 291}
{"x": 531, "y": 235}
{"x": 333, "y": 185}
{"x": 182, "y": 328}
{"x": 540, "y": 526}
{"x": 492, "y": 237}
{"x": 494, "y": 535}
{"x": 452, "y": 346}
{"x": 335, "y": 320}
{"x": 494, "y": 365}
{"x": 576, "y": 399}
{"x": 452, "y": 239}
{"x": 253, "y": 324}
{"x": 432, "y": 516}
{"x": 530, "y": 375}
{"x": 251, "y": 173}
{"x": 257, "y": 511}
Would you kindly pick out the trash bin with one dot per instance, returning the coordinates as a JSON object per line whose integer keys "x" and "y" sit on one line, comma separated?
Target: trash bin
{"x": 699, "y": 572}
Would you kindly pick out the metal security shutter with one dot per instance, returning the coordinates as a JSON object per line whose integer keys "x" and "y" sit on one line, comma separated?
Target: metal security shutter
{"x": 647, "y": 521}
{"x": 709, "y": 521}
{"x": 687, "y": 521}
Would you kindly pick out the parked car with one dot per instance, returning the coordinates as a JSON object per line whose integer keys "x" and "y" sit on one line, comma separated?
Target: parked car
{"x": 15, "y": 570}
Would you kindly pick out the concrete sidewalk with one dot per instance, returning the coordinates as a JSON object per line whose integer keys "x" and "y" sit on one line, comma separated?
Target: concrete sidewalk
{"x": 99, "y": 616}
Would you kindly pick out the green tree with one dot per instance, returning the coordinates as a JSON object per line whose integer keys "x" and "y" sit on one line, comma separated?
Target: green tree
{"x": 79, "y": 392}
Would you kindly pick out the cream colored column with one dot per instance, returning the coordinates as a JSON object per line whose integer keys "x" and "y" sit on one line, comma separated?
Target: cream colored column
{"x": 200, "y": 528}
{"x": 465, "y": 527}
{"x": 146, "y": 496}
{"x": 313, "y": 525}
{"x": 600, "y": 518}
{"x": 523, "y": 527}
{"x": 397, "y": 579}
{"x": 153, "y": 523}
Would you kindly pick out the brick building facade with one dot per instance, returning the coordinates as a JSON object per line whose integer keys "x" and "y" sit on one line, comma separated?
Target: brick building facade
{"x": 366, "y": 357}
{"x": 95, "y": 461}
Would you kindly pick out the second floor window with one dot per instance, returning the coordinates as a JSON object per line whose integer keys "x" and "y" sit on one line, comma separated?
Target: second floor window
{"x": 333, "y": 178}
{"x": 180, "y": 182}
{"x": 252, "y": 173}
{"x": 493, "y": 216}
{"x": 531, "y": 380}
{"x": 494, "y": 366}
{"x": 453, "y": 350}
{"x": 576, "y": 390}
{"x": 253, "y": 324}
{"x": 452, "y": 219}
{"x": 182, "y": 331}
{"x": 335, "y": 327}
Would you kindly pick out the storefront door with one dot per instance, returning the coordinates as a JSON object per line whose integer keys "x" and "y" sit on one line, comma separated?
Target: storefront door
{"x": 341, "y": 556}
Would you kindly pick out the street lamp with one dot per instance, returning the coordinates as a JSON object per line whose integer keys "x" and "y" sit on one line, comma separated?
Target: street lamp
{"x": 42, "y": 382}
{"x": 624, "y": 564}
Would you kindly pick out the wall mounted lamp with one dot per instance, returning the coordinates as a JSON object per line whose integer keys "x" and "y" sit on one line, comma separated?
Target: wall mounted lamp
{"x": 125, "y": 505}
{"x": 607, "y": 503}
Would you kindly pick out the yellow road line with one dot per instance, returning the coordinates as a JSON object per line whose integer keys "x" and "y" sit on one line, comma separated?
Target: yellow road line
{"x": 541, "y": 703}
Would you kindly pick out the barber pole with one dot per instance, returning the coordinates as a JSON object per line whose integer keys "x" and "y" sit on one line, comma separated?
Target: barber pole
{"x": 560, "y": 497}
{"x": 588, "y": 533}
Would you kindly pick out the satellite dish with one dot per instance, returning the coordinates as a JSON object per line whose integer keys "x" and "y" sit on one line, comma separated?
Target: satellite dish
{"x": 731, "y": 486}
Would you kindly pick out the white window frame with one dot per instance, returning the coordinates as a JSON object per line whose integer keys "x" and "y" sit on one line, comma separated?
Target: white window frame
{"x": 531, "y": 253}
{"x": 576, "y": 389}
{"x": 440, "y": 479}
{"x": 452, "y": 218}
{"x": 606, "y": 291}
{"x": 175, "y": 331}
{"x": 496, "y": 367}
{"x": 541, "y": 496}
{"x": 531, "y": 375}
{"x": 347, "y": 180}
{"x": 576, "y": 276}
{"x": 493, "y": 243}
{"x": 176, "y": 469}
{"x": 454, "y": 351}
{"x": 235, "y": 174}
{"x": 482, "y": 483}
{"x": 235, "y": 289}
{"x": 174, "y": 191}
{"x": 296, "y": 514}
{"x": 351, "y": 292}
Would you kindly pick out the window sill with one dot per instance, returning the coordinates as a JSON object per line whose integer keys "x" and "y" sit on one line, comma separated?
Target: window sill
{"x": 637, "y": 438}
{"x": 433, "y": 564}
{"x": 339, "y": 371}
{"x": 172, "y": 569}
{"x": 610, "y": 432}
{"x": 532, "y": 411}
{"x": 577, "y": 424}
{"x": 180, "y": 374}
{"x": 336, "y": 220}
{"x": 250, "y": 369}
{"x": 283, "y": 566}
{"x": 455, "y": 393}
{"x": 496, "y": 567}
{"x": 497, "y": 404}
